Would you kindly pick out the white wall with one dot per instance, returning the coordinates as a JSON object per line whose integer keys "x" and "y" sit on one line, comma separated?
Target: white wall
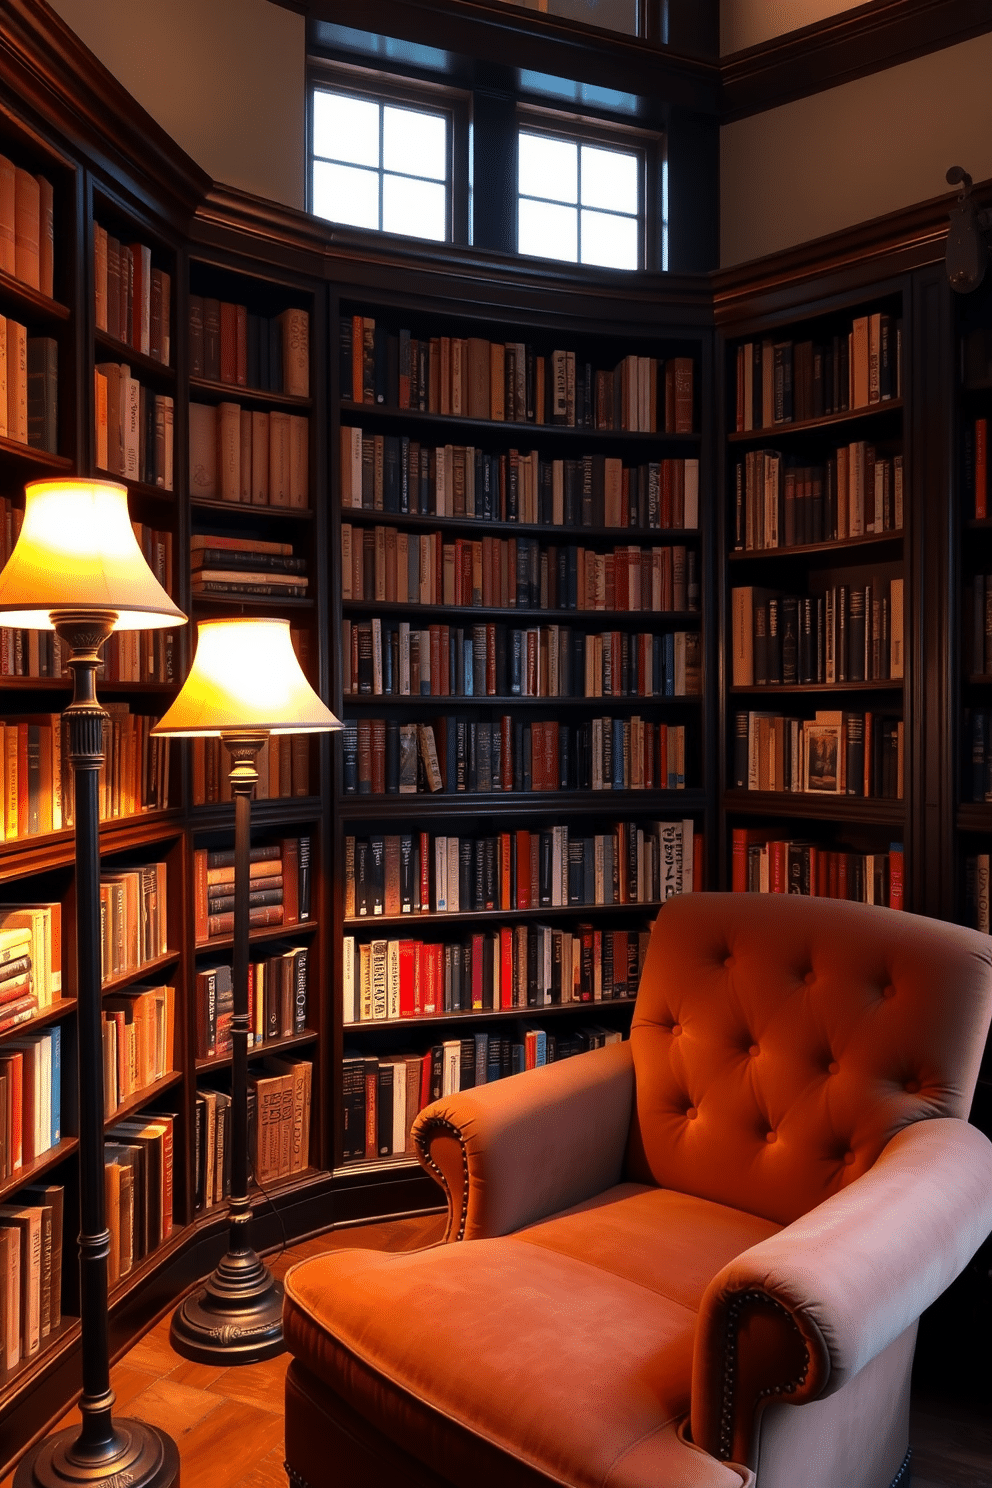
{"x": 855, "y": 152}
{"x": 226, "y": 78}
{"x": 746, "y": 23}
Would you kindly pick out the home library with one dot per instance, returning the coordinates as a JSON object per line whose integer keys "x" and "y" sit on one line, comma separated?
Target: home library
{"x": 513, "y": 577}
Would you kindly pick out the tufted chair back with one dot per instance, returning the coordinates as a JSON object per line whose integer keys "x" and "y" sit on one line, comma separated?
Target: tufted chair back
{"x": 779, "y": 1042}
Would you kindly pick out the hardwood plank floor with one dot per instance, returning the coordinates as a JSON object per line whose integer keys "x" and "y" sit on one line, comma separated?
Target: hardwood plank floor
{"x": 227, "y": 1423}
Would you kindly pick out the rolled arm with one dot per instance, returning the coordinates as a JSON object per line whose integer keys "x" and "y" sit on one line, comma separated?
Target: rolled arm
{"x": 800, "y": 1314}
{"x": 509, "y": 1153}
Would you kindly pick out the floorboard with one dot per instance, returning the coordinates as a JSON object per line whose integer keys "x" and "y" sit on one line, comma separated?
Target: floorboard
{"x": 227, "y": 1423}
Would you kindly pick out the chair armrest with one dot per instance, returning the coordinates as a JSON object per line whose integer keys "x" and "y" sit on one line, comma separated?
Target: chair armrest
{"x": 799, "y": 1314}
{"x": 510, "y": 1153}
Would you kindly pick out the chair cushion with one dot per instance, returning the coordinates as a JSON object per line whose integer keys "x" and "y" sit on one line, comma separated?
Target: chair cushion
{"x": 779, "y": 1042}
{"x": 605, "y": 1296}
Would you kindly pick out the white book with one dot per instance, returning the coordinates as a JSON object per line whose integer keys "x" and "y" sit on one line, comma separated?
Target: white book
{"x": 131, "y": 423}
{"x": 399, "y": 1106}
{"x": 377, "y": 657}
{"x": 453, "y": 849}
{"x": 404, "y": 658}
{"x": 452, "y": 1067}
{"x": 670, "y": 842}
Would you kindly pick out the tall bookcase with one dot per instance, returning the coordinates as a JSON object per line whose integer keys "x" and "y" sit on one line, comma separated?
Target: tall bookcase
{"x": 517, "y": 498}
{"x": 818, "y": 526}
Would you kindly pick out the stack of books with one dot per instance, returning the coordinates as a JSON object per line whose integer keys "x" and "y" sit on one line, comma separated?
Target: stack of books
{"x": 31, "y": 1090}
{"x": 279, "y": 892}
{"x": 133, "y": 299}
{"x": 277, "y": 1001}
{"x": 240, "y": 565}
{"x": 138, "y": 1041}
{"x": 30, "y": 961}
{"x": 30, "y": 1272}
{"x": 138, "y": 1175}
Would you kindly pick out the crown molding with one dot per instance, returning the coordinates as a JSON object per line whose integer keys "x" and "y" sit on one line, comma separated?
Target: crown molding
{"x": 59, "y": 82}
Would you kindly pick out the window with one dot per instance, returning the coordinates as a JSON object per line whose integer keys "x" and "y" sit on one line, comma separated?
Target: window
{"x": 381, "y": 164}
{"x": 579, "y": 201}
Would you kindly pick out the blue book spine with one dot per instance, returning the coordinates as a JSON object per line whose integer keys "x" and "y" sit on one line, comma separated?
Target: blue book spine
{"x": 55, "y": 1037}
{"x": 452, "y": 662}
{"x": 482, "y": 1059}
{"x": 516, "y": 662}
{"x": 619, "y": 774}
{"x": 541, "y": 1047}
{"x": 468, "y": 666}
{"x": 349, "y": 758}
{"x": 492, "y": 1066}
{"x": 518, "y": 1062}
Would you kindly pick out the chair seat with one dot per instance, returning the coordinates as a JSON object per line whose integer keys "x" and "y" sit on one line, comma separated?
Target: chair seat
{"x": 609, "y": 1291}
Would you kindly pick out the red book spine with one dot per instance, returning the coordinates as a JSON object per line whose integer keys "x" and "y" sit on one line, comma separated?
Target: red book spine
{"x": 371, "y": 1110}
{"x": 425, "y": 872}
{"x": 506, "y": 968}
{"x": 408, "y": 979}
{"x": 841, "y": 876}
{"x": 491, "y": 660}
{"x": 523, "y": 870}
{"x": 896, "y": 877}
{"x": 778, "y": 867}
{"x": 738, "y": 881}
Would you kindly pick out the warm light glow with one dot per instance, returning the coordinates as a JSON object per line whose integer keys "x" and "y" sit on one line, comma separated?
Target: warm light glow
{"x": 245, "y": 675}
{"x": 76, "y": 551}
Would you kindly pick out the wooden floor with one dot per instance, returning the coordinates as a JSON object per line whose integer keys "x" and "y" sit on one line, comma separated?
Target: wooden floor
{"x": 227, "y": 1423}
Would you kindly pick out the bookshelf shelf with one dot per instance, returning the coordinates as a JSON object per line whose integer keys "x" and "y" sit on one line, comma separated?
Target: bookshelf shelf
{"x": 778, "y": 689}
{"x": 245, "y": 511}
{"x": 857, "y": 416}
{"x": 619, "y": 619}
{"x": 487, "y": 916}
{"x": 488, "y": 1015}
{"x": 855, "y": 545}
{"x": 58, "y": 1010}
{"x": 41, "y": 1165}
{"x": 242, "y": 602}
{"x": 808, "y": 805}
{"x": 495, "y": 428}
{"x": 262, "y": 1050}
{"x": 140, "y": 489}
{"x": 146, "y": 367}
{"x": 143, "y": 973}
{"x": 521, "y": 803}
{"x": 554, "y": 703}
{"x": 202, "y": 389}
{"x": 44, "y": 852}
{"x": 143, "y": 1097}
{"x": 258, "y": 935}
{"x": 36, "y": 463}
{"x": 275, "y": 811}
{"x": 31, "y": 303}
{"x": 477, "y": 527}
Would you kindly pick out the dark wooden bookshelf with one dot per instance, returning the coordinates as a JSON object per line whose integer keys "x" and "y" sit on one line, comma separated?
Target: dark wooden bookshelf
{"x": 811, "y": 426}
{"x": 415, "y": 1026}
{"x": 521, "y": 803}
{"x": 31, "y": 303}
{"x": 162, "y": 374}
{"x": 202, "y": 390}
{"x": 487, "y": 916}
{"x": 836, "y": 547}
{"x": 813, "y": 806}
{"x": 482, "y": 526}
{"x": 491, "y": 429}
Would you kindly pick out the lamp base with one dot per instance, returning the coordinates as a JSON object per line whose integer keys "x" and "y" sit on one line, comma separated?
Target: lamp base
{"x": 236, "y": 1318}
{"x": 139, "y": 1455}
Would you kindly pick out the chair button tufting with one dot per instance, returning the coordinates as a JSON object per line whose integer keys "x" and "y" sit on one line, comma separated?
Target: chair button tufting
{"x": 809, "y": 978}
{"x": 848, "y": 1159}
{"x": 771, "y": 1136}
{"x": 728, "y": 962}
{"x": 889, "y": 991}
{"x": 912, "y": 1086}
{"x": 833, "y": 1068}
{"x": 691, "y": 1113}
{"x": 676, "y": 1029}
{"x": 754, "y": 1051}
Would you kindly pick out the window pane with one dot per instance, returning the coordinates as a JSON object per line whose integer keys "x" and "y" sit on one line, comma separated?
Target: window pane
{"x": 609, "y": 241}
{"x": 415, "y": 142}
{"x": 548, "y": 168}
{"x": 609, "y": 179}
{"x": 346, "y": 128}
{"x": 416, "y": 208}
{"x": 345, "y": 193}
{"x": 547, "y": 231}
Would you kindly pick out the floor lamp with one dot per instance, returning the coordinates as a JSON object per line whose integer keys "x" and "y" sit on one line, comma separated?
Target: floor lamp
{"x": 245, "y": 684}
{"x": 77, "y": 569}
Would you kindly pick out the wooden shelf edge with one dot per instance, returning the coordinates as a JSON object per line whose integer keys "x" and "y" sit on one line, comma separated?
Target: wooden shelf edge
{"x": 232, "y": 392}
{"x": 259, "y": 1051}
{"x": 646, "y": 536}
{"x": 142, "y": 1097}
{"x": 810, "y": 426}
{"x": 870, "y": 810}
{"x": 34, "y": 1170}
{"x": 139, "y": 973}
{"x": 32, "y": 301}
{"x": 487, "y": 916}
{"x": 484, "y": 803}
{"x": 811, "y": 550}
{"x": 461, "y": 421}
{"x": 488, "y": 1015}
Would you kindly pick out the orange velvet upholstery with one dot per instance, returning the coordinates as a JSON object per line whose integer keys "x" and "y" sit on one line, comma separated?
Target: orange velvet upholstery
{"x": 657, "y": 1249}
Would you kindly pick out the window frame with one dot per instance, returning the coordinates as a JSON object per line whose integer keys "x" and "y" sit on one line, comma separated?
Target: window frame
{"x": 383, "y": 88}
{"x": 583, "y": 129}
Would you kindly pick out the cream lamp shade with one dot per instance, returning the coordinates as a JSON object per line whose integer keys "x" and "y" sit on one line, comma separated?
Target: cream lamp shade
{"x": 76, "y": 552}
{"x": 245, "y": 677}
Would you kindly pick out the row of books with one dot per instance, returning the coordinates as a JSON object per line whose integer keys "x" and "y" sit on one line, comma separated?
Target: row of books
{"x": 391, "y": 658}
{"x": 29, "y": 387}
{"x": 382, "y": 1097}
{"x": 132, "y": 298}
{"x": 31, "y": 1234}
{"x": 381, "y": 564}
{"x": 977, "y": 765}
{"x": 396, "y": 475}
{"x": 470, "y": 377}
{"x": 30, "y": 1098}
{"x": 138, "y": 1042}
{"x": 135, "y": 428}
{"x": 30, "y": 961}
{"x": 27, "y": 227}
{"x": 784, "y": 505}
{"x": 283, "y": 765}
{"x": 384, "y": 757}
{"x": 850, "y": 633}
{"x": 511, "y": 967}
{"x": 976, "y": 468}
{"x": 280, "y": 886}
{"x": 138, "y": 1188}
{"x": 230, "y": 344}
{"x": 279, "y": 1101}
{"x": 248, "y": 456}
{"x": 766, "y": 864}
{"x": 253, "y": 567}
{"x": 134, "y": 920}
{"x": 551, "y": 867}
{"x": 835, "y": 753}
{"x": 37, "y": 776}
{"x": 781, "y": 382}
{"x": 277, "y": 999}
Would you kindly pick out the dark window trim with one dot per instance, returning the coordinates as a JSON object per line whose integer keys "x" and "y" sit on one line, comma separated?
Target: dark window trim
{"x": 388, "y": 87}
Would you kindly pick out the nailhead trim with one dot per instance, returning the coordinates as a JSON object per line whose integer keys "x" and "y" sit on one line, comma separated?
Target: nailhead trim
{"x": 437, "y": 1124}
{"x": 297, "y": 1480}
{"x": 734, "y": 1310}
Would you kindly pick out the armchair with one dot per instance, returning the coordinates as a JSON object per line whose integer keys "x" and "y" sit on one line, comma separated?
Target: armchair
{"x": 692, "y": 1260}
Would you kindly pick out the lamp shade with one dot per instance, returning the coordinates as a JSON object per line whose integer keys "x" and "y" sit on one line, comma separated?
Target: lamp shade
{"x": 245, "y": 675}
{"x": 76, "y": 551}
